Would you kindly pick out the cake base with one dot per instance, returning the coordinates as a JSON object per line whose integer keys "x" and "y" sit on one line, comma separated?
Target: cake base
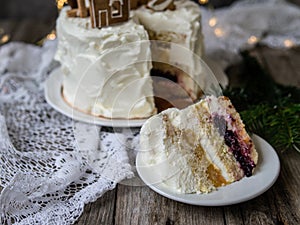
{"x": 99, "y": 116}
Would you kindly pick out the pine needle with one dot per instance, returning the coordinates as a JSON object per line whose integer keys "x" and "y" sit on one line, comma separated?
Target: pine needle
{"x": 268, "y": 109}
{"x": 278, "y": 124}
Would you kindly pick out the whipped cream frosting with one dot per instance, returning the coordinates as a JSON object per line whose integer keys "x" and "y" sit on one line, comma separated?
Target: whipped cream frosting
{"x": 164, "y": 157}
{"x": 179, "y": 33}
{"x": 153, "y": 4}
{"x": 185, "y": 20}
{"x": 106, "y": 71}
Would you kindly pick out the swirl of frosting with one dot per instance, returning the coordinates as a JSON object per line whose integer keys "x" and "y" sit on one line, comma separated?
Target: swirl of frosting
{"x": 161, "y": 5}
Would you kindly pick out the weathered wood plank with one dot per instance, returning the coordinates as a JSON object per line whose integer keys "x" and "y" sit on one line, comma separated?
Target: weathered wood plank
{"x": 283, "y": 197}
{"x": 257, "y": 211}
{"x": 37, "y": 9}
{"x": 144, "y": 206}
{"x": 286, "y": 190}
{"x": 140, "y": 205}
{"x": 31, "y": 31}
{"x": 100, "y": 212}
{"x": 294, "y": 60}
{"x": 233, "y": 215}
{"x": 283, "y": 65}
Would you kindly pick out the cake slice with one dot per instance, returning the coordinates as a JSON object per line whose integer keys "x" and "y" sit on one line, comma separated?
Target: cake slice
{"x": 199, "y": 148}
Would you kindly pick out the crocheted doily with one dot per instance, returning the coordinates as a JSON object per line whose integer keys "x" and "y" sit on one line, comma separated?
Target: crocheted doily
{"x": 51, "y": 166}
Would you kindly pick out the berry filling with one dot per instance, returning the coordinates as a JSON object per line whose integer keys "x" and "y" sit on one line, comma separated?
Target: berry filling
{"x": 240, "y": 150}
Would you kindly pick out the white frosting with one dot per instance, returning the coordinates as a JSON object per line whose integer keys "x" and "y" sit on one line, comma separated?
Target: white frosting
{"x": 168, "y": 164}
{"x": 185, "y": 20}
{"x": 159, "y": 7}
{"x": 106, "y": 72}
{"x": 171, "y": 156}
{"x": 182, "y": 29}
{"x": 167, "y": 160}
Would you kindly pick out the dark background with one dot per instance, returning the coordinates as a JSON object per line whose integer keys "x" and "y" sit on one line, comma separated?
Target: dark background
{"x": 18, "y": 16}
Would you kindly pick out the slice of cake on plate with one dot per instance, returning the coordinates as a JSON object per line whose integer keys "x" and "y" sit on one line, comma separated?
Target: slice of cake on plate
{"x": 199, "y": 148}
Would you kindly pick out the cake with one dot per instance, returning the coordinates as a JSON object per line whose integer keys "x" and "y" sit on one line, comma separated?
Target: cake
{"x": 177, "y": 34}
{"x": 112, "y": 71}
{"x": 200, "y": 148}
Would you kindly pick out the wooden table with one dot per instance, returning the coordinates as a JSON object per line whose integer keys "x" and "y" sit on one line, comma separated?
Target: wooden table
{"x": 280, "y": 205}
{"x": 140, "y": 205}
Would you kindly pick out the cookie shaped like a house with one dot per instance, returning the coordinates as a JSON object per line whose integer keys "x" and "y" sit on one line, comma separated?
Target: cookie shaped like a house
{"x": 107, "y": 12}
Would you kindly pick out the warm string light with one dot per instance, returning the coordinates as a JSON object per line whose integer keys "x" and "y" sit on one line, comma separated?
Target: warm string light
{"x": 5, "y": 38}
{"x": 219, "y": 32}
{"x": 252, "y": 40}
{"x": 60, "y": 3}
{"x": 202, "y": 2}
{"x": 212, "y": 22}
{"x": 288, "y": 43}
{"x": 51, "y": 36}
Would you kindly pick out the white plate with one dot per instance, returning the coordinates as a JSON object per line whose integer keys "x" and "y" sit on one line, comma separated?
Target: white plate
{"x": 264, "y": 177}
{"x": 54, "y": 98}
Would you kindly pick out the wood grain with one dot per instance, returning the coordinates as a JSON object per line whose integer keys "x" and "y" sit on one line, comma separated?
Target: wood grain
{"x": 282, "y": 64}
{"x": 287, "y": 191}
{"x": 100, "y": 211}
{"x": 144, "y": 206}
{"x": 25, "y": 31}
{"x": 127, "y": 205}
{"x": 279, "y": 205}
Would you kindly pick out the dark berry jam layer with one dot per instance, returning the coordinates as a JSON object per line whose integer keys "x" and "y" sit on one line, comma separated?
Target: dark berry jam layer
{"x": 240, "y": 151}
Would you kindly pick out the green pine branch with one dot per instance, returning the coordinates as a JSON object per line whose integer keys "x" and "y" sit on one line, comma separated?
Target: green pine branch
{"x": 268, "y": 109}
{"x": 278, "y": 124}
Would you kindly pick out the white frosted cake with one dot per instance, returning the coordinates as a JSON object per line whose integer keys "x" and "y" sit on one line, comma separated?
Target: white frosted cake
{"x": 107, "y": 71}
{"x": 199, "y": 148}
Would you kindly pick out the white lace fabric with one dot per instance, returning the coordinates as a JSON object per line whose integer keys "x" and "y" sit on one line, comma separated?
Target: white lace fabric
{"x": 50, "y": 165}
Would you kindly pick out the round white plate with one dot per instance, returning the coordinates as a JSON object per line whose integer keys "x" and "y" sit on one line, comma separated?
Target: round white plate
{"x": 54, "y": 98}
{"x": 264, "y": 177}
